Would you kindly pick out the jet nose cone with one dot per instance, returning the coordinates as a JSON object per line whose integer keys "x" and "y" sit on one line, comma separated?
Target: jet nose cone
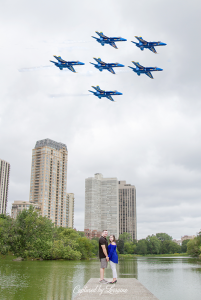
{"x": 120, "y": 65}
{"x": 163, "y": 44}
{"x": 124, "y": 40}
{"x": 118, "y": 93}
{"x": 159, "y": 69}
{"x": 81, "y": 63}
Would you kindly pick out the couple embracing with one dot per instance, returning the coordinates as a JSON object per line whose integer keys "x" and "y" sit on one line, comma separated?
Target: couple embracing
{"x": 108, "y": 253}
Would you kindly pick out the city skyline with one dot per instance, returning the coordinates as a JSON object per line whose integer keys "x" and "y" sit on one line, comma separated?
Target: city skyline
{"x": 150, "y": 136}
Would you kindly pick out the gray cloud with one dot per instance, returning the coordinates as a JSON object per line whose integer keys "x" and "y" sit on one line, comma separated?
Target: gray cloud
{"x": 150, "y": 137}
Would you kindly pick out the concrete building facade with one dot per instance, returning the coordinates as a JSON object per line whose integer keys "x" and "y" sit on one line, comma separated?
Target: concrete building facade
{"x": 70, "y": 199}
{"x": 4, "y": 184}
{"x": 127, "y": 209}
{"x": 18, "y": 206}
{"x": 49, "y": 180}
{"x": 101, "y": 204}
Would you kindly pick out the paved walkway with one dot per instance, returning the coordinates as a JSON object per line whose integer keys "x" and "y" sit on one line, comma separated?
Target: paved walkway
{"x": 125, "y": 288}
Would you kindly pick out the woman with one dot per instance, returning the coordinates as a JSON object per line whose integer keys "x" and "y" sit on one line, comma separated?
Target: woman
{"x": 113, "y": 257}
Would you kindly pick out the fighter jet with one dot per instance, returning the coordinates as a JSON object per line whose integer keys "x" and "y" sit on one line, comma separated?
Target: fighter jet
{"x": 142, "y": 70}
{"x": 66, "y": 64}
{"x": 108, "y": 40}
{"x": 101, "y": 93}
{"x": 149, "y": 45}
{"x": 105, "y": 66}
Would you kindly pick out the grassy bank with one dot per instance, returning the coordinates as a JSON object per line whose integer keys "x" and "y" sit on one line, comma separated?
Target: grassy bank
{"x": 151, "y": 255}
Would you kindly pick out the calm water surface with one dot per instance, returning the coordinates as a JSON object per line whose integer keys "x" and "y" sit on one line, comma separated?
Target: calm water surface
{"x": 167, "y": 278}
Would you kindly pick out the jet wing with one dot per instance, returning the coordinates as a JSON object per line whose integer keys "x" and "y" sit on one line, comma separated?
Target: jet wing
{"x": 138, "y": 65}
{"x": 110, "y": 98}
{"x": 97, "y": 88}
{"x": 140, "y": 39}
{"x": 111, "y": 70}
{"x": 153, "y": 49}
{"x": 149, "y": 74}
{"x": 99, "y": 61}
{"x": 71, "y": 68}
{"x": 113, "y": 45}
{"x": 101, "y": 35}
{"x": 60, "y": 59}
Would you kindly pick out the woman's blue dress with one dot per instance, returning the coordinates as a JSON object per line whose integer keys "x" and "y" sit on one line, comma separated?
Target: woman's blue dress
{"x": 112, "y": 253}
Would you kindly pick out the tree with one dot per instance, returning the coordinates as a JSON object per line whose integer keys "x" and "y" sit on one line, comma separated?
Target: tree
{"x": 184, "y": 246}
{"x": 35, "y": 235}
{"x": 129, "y": 248}
{"x": 163, "y": 237}
{"x": 8, "y": 234}
{"x": 120, "y": 246}
{"x": 153, "y": 244}
{"x": 126, "y": 237}
{"x": 141, "y": 247}
{"x": 194, "y": 247}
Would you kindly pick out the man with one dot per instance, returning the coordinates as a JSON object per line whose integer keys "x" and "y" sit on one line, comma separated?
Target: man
{"x": 103, "y": 255}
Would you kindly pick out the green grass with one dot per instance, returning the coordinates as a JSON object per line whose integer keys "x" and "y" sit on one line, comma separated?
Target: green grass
{"x": 151, "y": 255}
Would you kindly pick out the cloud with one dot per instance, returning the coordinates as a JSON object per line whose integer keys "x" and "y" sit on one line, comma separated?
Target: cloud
{"x": 149, "y": 137}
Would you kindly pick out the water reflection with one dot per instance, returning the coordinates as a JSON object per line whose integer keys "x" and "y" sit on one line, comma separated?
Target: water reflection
{"x": 128, "y": 268}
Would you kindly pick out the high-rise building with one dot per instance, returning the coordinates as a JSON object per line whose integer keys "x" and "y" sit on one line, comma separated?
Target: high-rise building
{"x": 49, "y": 179}
{"x": 101, "y": 204}
{"x": 4, "y": 182}
{"x": 70, "y": 212}
{"x": 127, "y": 209}
{"x": 19, "y": 205}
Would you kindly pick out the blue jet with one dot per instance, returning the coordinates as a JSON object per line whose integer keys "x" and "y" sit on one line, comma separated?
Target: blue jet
{"x": 149, "y": 45}
{"x": 142, "y": 70}
{"x": 61, "y": 64}
{"x": 108, "y": 40}
{"x": 101, "y": 93}
{"x": 105, "y": 66}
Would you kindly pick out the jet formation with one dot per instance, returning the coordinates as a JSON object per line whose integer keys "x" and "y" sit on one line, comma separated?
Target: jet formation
{"x": 142, "y": 70}
{"x": 147, "y": 45}
{"x": 101, "y": 93}
{"x": 61, "y": 64}
{"x": 106, "y": 66}
{"x": 108, "y": 40}
{"x": 101, "y": 65}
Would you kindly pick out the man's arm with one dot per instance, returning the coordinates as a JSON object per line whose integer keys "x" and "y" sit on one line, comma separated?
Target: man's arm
{"x": 105, "y": 252}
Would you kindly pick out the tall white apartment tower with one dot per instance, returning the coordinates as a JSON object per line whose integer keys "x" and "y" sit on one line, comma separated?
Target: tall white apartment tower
{"x": 70, "y": 211}
{"x": 101, "y": 204}
{"x": 49, "y": 180}
{"x": 4, "y": 182}
{"x": 127, "y": 209}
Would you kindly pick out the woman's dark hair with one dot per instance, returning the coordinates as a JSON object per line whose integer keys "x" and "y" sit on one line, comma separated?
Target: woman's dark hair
{"x": 114, "y": 240}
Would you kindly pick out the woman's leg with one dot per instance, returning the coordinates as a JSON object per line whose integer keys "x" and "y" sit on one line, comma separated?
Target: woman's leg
{"x": 114, "y": 272}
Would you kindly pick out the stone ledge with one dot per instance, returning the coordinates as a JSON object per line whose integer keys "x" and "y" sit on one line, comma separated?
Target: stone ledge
{"x": 125, "y": 288}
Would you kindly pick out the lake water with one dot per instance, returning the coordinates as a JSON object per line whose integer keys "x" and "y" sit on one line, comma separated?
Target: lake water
{"x": 167, "y": 278}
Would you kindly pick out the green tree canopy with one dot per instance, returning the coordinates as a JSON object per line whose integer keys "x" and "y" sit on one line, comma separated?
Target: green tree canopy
{"x": 153, "y": 244}
{"x": 184, "y": 246}
{"x": 126, "y": 237}
{"x": 163, "y": 237}
{"x": 141, "y": 247}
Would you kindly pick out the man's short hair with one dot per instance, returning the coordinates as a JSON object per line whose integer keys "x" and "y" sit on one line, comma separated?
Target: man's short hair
{"x": 104, "y": 230}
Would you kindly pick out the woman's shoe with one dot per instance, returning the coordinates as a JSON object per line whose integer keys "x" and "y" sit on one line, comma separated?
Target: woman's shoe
{"x": 113, "y": 282}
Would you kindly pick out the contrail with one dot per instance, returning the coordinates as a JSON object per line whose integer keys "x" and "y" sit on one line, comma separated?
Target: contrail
{"x": 66, "y": 95}
{"x": 33, "y": 68}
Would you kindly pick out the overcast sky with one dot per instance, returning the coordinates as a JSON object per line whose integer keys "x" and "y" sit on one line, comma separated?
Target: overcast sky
{"x": 149, "y": 137}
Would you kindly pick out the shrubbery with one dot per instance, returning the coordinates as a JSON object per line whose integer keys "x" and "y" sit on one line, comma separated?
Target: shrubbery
{"x": 161, "y": 243}
{"x": 32, "y": 235}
